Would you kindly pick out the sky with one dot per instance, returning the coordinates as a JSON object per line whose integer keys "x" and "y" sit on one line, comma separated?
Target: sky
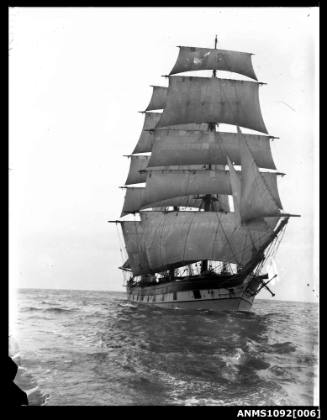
{"x": 77, "y": 79}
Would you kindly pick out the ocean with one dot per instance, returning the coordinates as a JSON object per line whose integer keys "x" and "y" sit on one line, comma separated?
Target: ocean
{"x": 94, "y": 348}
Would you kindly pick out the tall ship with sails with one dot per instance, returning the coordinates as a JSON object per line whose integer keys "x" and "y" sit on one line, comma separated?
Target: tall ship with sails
{"x": 207, "y": 215}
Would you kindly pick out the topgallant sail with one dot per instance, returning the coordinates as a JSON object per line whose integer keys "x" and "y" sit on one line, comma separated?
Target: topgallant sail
{"x": 209, "y": 210}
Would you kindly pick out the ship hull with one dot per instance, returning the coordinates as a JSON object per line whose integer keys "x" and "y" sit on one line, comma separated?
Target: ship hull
{"x": 201, "y": 293}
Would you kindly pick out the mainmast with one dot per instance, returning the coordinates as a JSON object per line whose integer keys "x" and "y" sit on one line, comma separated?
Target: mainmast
{"x": 208, "y": 199}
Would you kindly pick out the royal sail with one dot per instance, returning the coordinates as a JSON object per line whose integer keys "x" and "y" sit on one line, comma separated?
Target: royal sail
{"x": 191, "y": 58}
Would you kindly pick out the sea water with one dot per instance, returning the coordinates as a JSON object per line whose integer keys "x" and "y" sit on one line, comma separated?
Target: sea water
{"x": 95, "y": 348}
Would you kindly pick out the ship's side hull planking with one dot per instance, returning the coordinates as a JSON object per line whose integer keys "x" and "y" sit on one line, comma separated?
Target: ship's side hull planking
{"x": 192, "y": 295}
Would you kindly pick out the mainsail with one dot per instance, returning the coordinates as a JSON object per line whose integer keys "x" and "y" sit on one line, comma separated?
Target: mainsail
{"x": 165, "y": 240}
{"x": 207, "y": 194}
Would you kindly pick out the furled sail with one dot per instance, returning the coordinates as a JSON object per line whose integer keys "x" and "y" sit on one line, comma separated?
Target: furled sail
{"x": 257, "y": 199}
{"x": 164, "y": 240}
{"x": 158, "y": 98}
{"x": 190, "y": 58}
{"x": 134, "y": 202}
{"x": 138, "y": 163}
{"x": 207, "y": 100}
{"x": 164, "y": 184}
{"x": 181, "y": 147}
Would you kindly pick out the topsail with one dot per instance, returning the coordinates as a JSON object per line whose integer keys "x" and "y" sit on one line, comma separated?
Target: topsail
{"x": 211, "y": 100}
{"x": 191, "y": 147}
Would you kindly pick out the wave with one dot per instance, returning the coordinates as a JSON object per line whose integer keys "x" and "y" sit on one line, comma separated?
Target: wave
{"x": 30, "y": 309}
{"x": 53, "y": 310}
{"x": 127, "y": 305}
{"x": 59, "y": 310}
{"x": 282, "y": 348}
{"x": 200, "y": 401}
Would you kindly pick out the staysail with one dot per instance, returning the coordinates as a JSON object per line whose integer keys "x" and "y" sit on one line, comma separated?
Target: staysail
{"x": 257, "y": 198}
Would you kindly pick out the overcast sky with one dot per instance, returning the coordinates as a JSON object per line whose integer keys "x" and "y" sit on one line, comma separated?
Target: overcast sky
{"x": 78, "y": 76}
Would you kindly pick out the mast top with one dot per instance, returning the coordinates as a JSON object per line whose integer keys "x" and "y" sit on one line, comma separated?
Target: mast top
{"x": 214, "y": 72}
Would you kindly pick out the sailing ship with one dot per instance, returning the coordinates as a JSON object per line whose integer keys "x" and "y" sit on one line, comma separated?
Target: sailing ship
{"x": 207, "y": 215}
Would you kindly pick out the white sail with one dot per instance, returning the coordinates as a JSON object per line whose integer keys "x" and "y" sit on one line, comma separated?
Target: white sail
{"x": 164, "y": 184}
{"x": 163, "y": 240}
{"x": 135, "y": 247}
{"x": 207, "y": 100}
{"x": 181, "y": 147}
{"x": 134, "y": 202}
{"x": 158, "y": 98}
{"x": 191, "y": 58}
{"x": 137, "y": 164}
{"x": 257, "y": 199}
{"x": 235, "y": 181}
{"x": 145, "y": 141}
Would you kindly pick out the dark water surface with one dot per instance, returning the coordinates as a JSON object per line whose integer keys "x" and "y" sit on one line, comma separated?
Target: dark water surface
{"x": 94, "y": 348}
